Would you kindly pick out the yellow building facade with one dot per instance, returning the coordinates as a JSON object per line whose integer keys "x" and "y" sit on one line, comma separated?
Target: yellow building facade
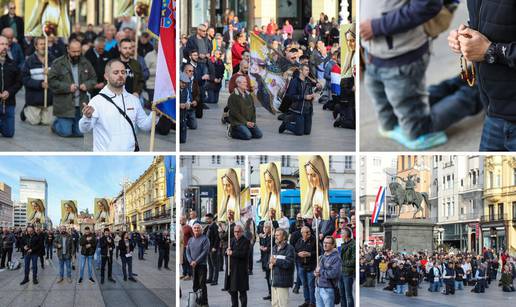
{"x": 419, "y": 167}
{"x": 499, "y": 220}
{"x": 147, "y": 207}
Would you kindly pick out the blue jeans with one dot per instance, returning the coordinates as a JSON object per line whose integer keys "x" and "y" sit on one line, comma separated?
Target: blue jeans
{"x": 213, "y": 96}
{"x": 498, "y": 135}
{"x": 243, "y": 132}
{"x": 298, "y": 275}
{"x": 82, "y": 262}
{"x": 308, "y": 281}
{"x": 434, "y": 287}
{"x": 401, "y": 289}
{"x": 141, "y": 250}
{"x": 346, "y": 290}
{"x": 299, "y": 124}
{"x": 27, "y": 260}
{"x": 127, "y": 265}
{"x": 324, "y": 297}
{"x": 191, "y": 120}
{"x": 7, "y": 121}
{"x": 459, "y": 285}
{"x": 62, "y": 264}
{"x": 399, "y": 96}
{"x": 97, "y": 258}
{"x": 67, "y": 127}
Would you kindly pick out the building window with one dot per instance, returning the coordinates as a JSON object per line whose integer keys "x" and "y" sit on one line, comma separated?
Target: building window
{"x": 240, "y": 160}
{"x": 285, "y": 160}
{"x": 474, "y": 178}
{"x": 194, "y": 159}
{"x": 491, "y": 179}
{"x": 348, "y": 162}
{"x": 264, "y": 159}
{"x": 514, "y": 210}
{"x": 514, "y": 176}
{"x": 500, "y": 211}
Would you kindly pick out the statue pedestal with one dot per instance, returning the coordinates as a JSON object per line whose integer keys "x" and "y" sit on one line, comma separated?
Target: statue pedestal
{"x": 410, "y": 235}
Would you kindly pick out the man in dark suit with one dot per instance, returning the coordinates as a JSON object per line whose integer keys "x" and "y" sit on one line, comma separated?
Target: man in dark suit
{"x": 10, "y": 20}
{"x": 98, "y": 59}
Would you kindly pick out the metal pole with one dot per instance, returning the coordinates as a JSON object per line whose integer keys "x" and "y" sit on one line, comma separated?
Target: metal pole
{"x": 45, "y": 72}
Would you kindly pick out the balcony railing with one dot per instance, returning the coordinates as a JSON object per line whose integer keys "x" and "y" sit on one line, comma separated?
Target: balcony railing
{"x": 161, "y": 215}
{"x": 494, "y": 218}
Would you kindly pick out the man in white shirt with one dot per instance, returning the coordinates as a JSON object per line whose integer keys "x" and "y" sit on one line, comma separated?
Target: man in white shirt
{"x": 111, "y": 130}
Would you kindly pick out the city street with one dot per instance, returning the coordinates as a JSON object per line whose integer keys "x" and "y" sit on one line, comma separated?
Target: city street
{"x": 257, "y": 285}
{"x": 154, "y": 288}
{"x": 40, "y": 138}
{"x": 376, "y": 297}
{"x": 464, "y": 136}
{"x": 211, "y": 135}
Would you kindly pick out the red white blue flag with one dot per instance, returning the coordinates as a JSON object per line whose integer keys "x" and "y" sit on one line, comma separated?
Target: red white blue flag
{"x": 335, "y": 79}
{"x": 162, "y": 25}
{"x": 378, "y": 204}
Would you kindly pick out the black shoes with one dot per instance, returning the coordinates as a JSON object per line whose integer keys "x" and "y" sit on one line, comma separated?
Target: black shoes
{"x": 267, "y": 298}
{"x": 24, "y": 282}
{"x": 132, "y": 279}
{"x": 111, "y": 280}
{"x": 80, "y": 280}
{"x": 282, "y": 127}
{"x": 295, "y": 290}
{"x": 35, "y": 281}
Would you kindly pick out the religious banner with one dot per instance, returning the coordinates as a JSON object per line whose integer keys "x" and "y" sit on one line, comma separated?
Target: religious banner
{"x": 101, "y": 210}
{"x": 51, "y": 15}
{"x": 315, "y": 186}
{"x": 270, "y": 190}
{"x": 347, "y": 50}
{"x": 36, "y": 211}
{"x": 69, "y": 212}
{"x": 228, "y": 194}
{"x": 267, "y": 81}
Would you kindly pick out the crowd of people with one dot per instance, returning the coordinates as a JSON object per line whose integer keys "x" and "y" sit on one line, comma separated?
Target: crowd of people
{"x": 75, "y": 250}
{"x": 288, "y": 257}
{"x": 88, "y": 73}
{"x": 444, "y": 272}
{"x": 213, "y": 61}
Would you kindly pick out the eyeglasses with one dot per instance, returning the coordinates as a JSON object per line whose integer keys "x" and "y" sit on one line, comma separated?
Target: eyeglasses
{"x": 238, "y": 231}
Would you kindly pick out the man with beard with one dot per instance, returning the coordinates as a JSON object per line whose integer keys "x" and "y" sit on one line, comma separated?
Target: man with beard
{"x": 11, "y": 84}
{"x": 107, "y": 244}
{"x": 33, "y": 77}
{"x": 64, "y": 250}
{"x": 134, "y": 77}
{"x": 70, "y": 78}
{"x": 237, "y": 278}
{"x": 113, "y": 114}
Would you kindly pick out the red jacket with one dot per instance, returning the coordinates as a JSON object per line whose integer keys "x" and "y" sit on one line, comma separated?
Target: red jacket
{"x": 236, "y": 53}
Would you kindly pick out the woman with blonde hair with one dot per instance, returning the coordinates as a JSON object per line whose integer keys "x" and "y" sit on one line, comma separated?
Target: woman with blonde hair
{"x": 318, "y": 186}
{"x": 272, "y": 192}
{"x": 230, "y": 204}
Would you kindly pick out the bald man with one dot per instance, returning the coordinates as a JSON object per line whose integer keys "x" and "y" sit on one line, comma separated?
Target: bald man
{"x": 15, "y": 51}
{"x": 104, "y": 115}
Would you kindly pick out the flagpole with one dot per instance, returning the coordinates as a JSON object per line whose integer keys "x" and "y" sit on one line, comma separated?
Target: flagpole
{"x": 153, "y": 129}
{"x": 45, "y": 98}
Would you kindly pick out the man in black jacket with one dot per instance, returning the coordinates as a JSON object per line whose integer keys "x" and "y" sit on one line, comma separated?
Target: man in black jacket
{"x": 98, "y": 59}
{"x": 282, "y": 266}
{"x": 212, "y": 232}
{"x": 33, "y": 77}
{"x": 88, "y": 244}
{"x": 10, "y": 84}
{"x": 107, "y": 244}
{"x": 237, "y": 278}
{"x": 306, "y": 259}
{"x": 490, "y": 43}
{"x": 300, "y": 93}
{"x": 10, "y": 20}
{"x": 163, "y": 242}
{"x": 32, "y": 246}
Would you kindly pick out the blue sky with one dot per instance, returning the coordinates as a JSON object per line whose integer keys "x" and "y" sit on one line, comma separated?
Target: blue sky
{"x": 81, "y": 178}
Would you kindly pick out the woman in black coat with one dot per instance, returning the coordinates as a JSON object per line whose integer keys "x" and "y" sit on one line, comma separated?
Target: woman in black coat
{"x": 126, "y": 247}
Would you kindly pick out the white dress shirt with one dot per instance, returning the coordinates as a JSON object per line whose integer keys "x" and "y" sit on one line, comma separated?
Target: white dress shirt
{"x": 111, "y": 131}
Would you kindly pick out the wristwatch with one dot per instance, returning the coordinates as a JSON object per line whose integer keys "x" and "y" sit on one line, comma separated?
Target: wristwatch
{"x": 490, "y": 56}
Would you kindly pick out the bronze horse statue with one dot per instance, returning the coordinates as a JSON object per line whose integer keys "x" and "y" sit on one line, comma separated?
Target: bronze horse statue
{"x": 400, "y": 197}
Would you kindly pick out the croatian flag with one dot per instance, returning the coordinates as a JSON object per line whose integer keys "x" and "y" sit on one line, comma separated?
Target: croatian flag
{"x": 335, "y": 79}
{"x": 380, "y": 198}
{"x": 162, "y": 25}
